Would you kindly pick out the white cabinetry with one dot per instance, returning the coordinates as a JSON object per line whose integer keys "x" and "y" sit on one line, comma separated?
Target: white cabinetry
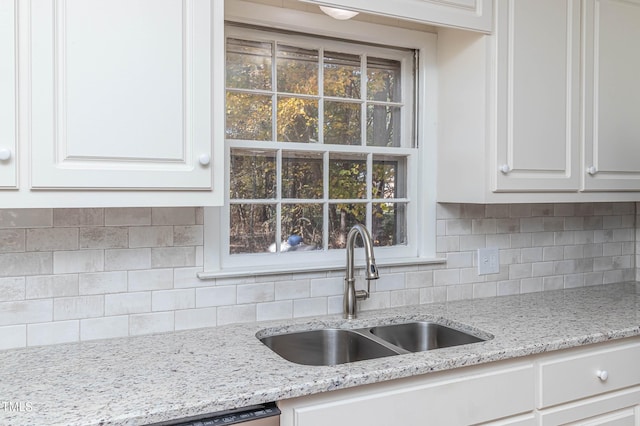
{"x": 538, "y": 95}
{"x": 459, "y": 397}
{"x": 120, "y": 102}
{"x": 612, "y": 90}
{"x": 469, "y": 14}
{"x": 8, "y": 113}
{"x": 545, "y": 109}
{"x": 590, "y": 386}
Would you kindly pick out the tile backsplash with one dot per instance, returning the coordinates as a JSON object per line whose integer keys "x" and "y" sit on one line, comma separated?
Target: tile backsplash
{"x": 81, "y": 274}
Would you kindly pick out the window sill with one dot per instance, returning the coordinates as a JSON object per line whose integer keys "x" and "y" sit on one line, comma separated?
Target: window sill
{"x": 243, "y": 272}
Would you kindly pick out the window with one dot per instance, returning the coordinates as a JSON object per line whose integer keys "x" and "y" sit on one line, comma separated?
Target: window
{"x": 321, "y": 134}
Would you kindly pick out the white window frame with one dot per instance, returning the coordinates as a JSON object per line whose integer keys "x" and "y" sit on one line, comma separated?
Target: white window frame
{"x": 421, "y": 224}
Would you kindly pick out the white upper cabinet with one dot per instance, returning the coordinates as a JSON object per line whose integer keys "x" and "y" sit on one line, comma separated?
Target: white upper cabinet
{"x": 8, "y": 106}
{"x": 474, "y": 15}
{"x": 120, "y": 94}
{"x": 612, "y": 95}
{"x": 538, "y": 95}
{"x": 545, "y": 109}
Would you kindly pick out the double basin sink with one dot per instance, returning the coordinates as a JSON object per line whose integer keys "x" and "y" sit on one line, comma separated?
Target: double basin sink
{"x": 332, "y": 346}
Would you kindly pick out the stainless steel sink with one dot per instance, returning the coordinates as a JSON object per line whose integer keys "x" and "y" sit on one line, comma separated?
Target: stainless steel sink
{"x": 423, "y": 336}
{"x": 326, "y": 347}
{"x": 332, "y": 346}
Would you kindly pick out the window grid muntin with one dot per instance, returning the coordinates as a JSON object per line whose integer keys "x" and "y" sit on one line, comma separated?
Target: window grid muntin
{"x": 408, "y": 132}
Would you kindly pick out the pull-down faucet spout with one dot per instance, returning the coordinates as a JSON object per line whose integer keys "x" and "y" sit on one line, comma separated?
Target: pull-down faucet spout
{"x": 371, "y": 273}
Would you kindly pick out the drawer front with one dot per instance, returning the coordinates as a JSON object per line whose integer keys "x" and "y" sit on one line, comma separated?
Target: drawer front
{"x": 588, "y": 373}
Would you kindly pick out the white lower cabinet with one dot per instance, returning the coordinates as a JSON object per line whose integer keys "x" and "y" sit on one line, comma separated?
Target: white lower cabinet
{"x": 593, "y": 385}
{"x": 459, "y": 397}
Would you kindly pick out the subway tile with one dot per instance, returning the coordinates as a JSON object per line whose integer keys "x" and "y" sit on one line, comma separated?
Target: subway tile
{"x": 157, "y": 322}
{"x": 448, "y": 210}
{"x": 542, "y": 269}
{"x": 470, "y": 275}
{"x": 483, "y": 226}
{"x": 127, "y": 303}
{"x": 188, "y": 319}
{"x": 47, "y": 286}
{"x": 150, "y": 236}
{"x": 298, "y": 289}
{"x": 388, "y": 282}
{"x": 188, "y": 235}
{"x": 12, "y": 288}
{"x": 104, "y": 328}
{"x": 433, "y": 295}
{"x": 488, "y": 289}
{"x": 447, "y": 244}
{"x": 508, "y": 257}
{"x": 612, "y": 249}
{"x": 128, "y": 216}
{"x": 553, "y": 283}
{"x": 603, "y": 209}
{"x": 542, "y": 239}
{"x": 51, "y": 239}
{"x": 533, "y": 254}
{"x": 593, "y": 222}
{"x": 564, "y": 209}
{"x": 381, "y": 300}
{"x": 611, "y": 222}
{"x": 173, "y": 257}
{"x": 496, "y": 211}
{"x": 26, "y": 218}
{"x": 574, "y": 252}
{"x": 104, "y": 238}
{"x": 624, "y": 208}
{"x": 335, "y": 305}
{"x": 520, "y": 210}
{"x": 584, "y": 209}
{"x": 150, "y": 279}
{"x": 171, "y": 300}
{"x": 236, "y": 314}
{"x": 499, "y": 241}
{"x": 77, "y": 307}
{"x": 26, "y": 312}
{"x": 66, "y": 262}
{"x": 458, "y": 227}
{"x": 13, "y": 336}
{"x": 564, "y": 238}
{"x": 507, "y": 288}
{"x": 331, "y": 286}
{"x": 12, "y": 240}
{"x": 531, "y": 285}
{"x": 553, "y": 224}
{"x": 127, "y": 259}
{"x": 103, "y": 282}
{"x": 460, "y": 259}
{"x": 583, "y": 237}
{"x": 446, "y": 277}
{"x": 253, "y": 293}
{"x": 173, "y": 216}
{"x": 188, "y": 278}
{"x": 419, "y": 279}
{"x": 542, "y": 210}
{"x": 314, "y": 306}
{"x": 216, "y": 296}
{"x": 573, "y": 223}
{"x": 199, "y": 215}
{"x": 507, "y": 226}
{"x": 199, "y": 256}
{"x": 78, "y": 217}
{"x": 531, "y": 224}
{"x": 50, "y": 333}
{"x": 279, "y": 310}
{"x": 472, "y": 211}
{"x": 593, "y": 278}
{"x": 459, "y": 292}
{"x": 472, "y": 242}
{"x": 18, "y": 264}
{"x": 406, "y": 297}
{"x": 521, "y": 240}
{"x": 520, "y": 270}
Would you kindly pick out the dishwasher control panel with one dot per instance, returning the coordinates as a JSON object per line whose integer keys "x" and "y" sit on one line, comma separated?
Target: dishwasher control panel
{"x": 244, "y": 415}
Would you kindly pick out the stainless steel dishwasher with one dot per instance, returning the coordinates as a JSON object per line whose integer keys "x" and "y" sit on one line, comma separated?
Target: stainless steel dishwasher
{"x": 256, "y": 415}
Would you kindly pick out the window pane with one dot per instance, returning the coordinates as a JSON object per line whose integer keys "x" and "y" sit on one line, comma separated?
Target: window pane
{"x": 301, "y": 227}
{"x": 248, "y": 117}
{"x": 297, "y": 70}
{"x": 389, "y": 177}
{"x": 302, "y": 175}
{"x": 383, "y": 80}
{"x": 252, "y": 228}
{"x": 347, "y": 176}
{"x": 342, "y": 217}
{"x": 297, "y": 119}
{"x": 248, "y": 64}
{"x": 342, "y": 123}
{"x": 253, "y": 174}
{"x": 383, "y": 126}
{"x": 389, "y": 224}
{"x": 342, "y": 75}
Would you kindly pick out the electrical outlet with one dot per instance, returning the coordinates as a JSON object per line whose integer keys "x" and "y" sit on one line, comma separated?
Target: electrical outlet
{"x": 488, "y": 261}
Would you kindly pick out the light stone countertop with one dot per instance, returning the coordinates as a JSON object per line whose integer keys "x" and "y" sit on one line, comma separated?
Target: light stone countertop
{"x": 149, "y": 379}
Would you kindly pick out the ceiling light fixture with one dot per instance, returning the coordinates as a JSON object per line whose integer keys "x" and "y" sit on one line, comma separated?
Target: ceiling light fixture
{"x": 340, "y": 14}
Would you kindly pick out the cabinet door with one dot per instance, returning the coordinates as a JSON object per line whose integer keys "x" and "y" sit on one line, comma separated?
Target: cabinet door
{"x": 470, "y": 14}
{"x": 8, "y": 123}
{"x": 120, "y": 94}
{"x": 538, "y": 95}
{"x": 611, "y": 93}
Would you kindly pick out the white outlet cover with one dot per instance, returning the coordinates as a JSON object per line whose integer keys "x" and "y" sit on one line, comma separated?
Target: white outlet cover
{"x": 488, "y": 261}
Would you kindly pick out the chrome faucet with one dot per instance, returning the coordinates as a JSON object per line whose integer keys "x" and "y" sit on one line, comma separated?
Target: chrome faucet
{"x": 350, "y": 293}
